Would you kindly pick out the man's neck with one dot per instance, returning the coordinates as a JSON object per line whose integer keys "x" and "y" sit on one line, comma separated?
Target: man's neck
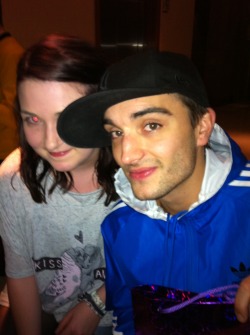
{"x": 186, "y": 194}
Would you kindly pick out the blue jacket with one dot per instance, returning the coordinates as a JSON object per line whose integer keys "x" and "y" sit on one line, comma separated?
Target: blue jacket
{"x": 203, "y": 248}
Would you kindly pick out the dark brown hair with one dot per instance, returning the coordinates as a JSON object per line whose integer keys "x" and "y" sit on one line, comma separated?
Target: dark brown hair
{"x": 61, "y": 58}
{"x": 195, "y": 111}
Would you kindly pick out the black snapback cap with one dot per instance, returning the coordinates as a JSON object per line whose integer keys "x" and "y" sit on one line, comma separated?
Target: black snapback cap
{"x": 143, "y": 74}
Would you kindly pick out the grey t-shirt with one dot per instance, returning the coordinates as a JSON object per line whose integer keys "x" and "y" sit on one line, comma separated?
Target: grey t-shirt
{"x": 58, "y": 242}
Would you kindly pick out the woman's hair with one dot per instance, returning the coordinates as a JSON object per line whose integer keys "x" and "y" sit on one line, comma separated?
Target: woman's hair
{"x": 61, "y": 58}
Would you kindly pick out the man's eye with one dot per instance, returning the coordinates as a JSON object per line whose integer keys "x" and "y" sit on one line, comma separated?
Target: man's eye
{"x": 152, "y": 126}
{"x": 116, "y": 134}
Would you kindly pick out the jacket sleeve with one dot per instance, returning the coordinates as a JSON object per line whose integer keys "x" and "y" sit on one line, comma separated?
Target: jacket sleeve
{"x": 118, "y": 294}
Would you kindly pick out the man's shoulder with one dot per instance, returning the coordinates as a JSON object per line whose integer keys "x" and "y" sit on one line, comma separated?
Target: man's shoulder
{"x": 123, "y": 217}
{"x": 241, "y": 182}
{"x": 120, "y": 208}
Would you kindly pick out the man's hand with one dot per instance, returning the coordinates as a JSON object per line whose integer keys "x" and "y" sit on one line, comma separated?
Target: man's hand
{"x": 242, "y": 301}
{"x": 80, "y": 320}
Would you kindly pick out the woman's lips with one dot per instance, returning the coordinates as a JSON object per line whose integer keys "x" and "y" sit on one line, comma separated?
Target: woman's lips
{"x": 59, "y": 153}
{"x": 141, "y": 174}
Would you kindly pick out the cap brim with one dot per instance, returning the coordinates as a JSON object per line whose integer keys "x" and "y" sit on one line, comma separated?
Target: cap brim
{"x": 81, "y": 122}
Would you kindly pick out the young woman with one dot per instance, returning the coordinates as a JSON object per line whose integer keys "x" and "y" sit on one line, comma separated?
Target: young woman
{"x": 53, "y": 197}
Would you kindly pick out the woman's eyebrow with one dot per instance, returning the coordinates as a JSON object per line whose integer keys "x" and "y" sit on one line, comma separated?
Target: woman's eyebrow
{"x": 32, "y": 114}
{"x": 26, "y": 112}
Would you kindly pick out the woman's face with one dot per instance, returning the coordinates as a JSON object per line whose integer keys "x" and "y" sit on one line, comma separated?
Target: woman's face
{"x": 41, "y": 103}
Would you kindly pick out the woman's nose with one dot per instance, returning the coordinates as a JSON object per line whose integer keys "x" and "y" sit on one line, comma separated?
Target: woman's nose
{"x": 52, "y": 139}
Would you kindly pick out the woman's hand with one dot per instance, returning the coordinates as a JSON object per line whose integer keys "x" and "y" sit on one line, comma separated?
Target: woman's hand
{"x": 80, "y": 320}
{"x": 242, "y": 301}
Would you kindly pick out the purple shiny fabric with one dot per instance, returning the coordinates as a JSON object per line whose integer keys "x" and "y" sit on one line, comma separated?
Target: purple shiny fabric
{"x": 164, "y": 311}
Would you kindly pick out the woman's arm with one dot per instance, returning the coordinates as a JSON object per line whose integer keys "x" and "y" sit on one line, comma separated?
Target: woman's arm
{"x": 25, "y": 305}
{"x": 81, "y": 319}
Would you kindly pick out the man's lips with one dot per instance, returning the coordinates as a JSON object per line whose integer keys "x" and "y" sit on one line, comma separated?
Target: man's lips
{"x": 59, "y": 153}
{"x": 142, "y": 173}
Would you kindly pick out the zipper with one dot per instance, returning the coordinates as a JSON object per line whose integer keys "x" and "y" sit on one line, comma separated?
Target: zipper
{"x": 192, "y": 257}
{"x": 170, "y": 239}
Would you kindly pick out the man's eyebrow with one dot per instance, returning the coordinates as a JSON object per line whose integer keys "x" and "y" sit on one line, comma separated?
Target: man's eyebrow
{"x": 150, "y": 110}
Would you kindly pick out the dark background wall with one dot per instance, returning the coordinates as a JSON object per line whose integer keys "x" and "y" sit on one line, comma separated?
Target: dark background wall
{"x": 221, "y": 48}
{"x": 214, "y": 33}
{"x": 28, "y": 20}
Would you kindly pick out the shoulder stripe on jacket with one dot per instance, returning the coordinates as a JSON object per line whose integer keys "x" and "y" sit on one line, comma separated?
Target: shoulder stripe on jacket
{"x": 244, "y": 178}
{"x": 117, "y": 205}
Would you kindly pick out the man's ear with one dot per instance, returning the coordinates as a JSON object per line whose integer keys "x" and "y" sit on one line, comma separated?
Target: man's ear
{"x": 205, "y": 127}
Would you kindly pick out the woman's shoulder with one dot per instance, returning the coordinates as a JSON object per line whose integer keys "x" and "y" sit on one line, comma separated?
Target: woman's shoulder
{"x": 10, "y": 165}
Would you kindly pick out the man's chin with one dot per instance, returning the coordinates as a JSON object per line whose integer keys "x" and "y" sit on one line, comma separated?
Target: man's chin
{"x": 143, "y": 196}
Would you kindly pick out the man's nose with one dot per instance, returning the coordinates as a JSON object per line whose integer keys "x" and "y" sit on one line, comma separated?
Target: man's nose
{"x": 132, "y": 150}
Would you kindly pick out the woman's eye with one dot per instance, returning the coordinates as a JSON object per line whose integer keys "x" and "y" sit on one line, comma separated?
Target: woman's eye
{"x": 32, "y": 119}
{"x": 152, "y": 126}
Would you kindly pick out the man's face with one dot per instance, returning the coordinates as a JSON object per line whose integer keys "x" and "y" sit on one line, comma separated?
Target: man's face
{"x": 155, "y": 145}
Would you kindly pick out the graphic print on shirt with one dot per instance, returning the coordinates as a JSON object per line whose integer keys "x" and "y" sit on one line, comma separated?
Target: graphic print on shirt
{"x": 241, "y": 272}
{"x": 76, "y": 272}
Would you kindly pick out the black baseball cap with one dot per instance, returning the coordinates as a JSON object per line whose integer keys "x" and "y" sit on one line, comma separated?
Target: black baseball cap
{"x": 143, "y": 74}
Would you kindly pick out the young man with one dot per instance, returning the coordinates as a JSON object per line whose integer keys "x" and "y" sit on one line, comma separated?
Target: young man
{"x": 184, "y": 219}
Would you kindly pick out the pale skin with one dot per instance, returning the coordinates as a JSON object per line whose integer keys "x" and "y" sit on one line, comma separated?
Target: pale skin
{"x": 159, "y": 151}
{"x": 163, "y": 157}
{"x": 41, "y": 103}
